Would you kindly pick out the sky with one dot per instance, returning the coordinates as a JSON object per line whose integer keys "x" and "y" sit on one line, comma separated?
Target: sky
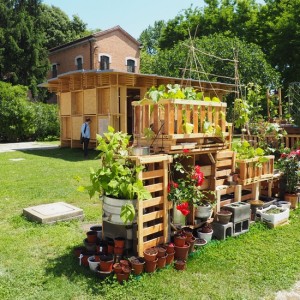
{"x": 133, "y": 16}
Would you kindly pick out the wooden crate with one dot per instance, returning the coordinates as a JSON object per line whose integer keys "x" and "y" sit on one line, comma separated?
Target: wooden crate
{"x": 225, "y": 165}
{"x": 153, "y": 214}
{"x": 251, "y": 170}
{"x": 166, "y": 120}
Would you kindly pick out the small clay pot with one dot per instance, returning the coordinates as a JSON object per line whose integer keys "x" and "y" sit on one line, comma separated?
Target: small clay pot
{"x": 137, "y": 264}
{"x": 179, "y": 240}
{"x": 161, "y": 261}
{"x": 150, "y": 266}
{"x": 119, "y": 242}
{"x": 161, "y": 251}
{"x": 170, "y": 248}
{"x": 122, "y": 277}
{"x": 180, "y": 265}
{"x": 91, "y": 236}
{"x": 118, "y": 251}
{"x": 117, "y": 268}
{"x": 106, "y": 263}
{"x": 170, "y": 258}
{"x": 78, "y": 250}
{"x": 181, "y": 253}
{"x": 150, "y": 254}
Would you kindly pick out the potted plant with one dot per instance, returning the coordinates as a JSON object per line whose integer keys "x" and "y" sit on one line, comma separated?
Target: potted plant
{"x": 187, "y": 189}
{"x": 205, "y": 232}
{"x": 117, "y": 177}
{"x": 288, "y": 164}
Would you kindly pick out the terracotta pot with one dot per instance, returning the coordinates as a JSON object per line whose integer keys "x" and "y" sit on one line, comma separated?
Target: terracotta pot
{"x": 91, "y": 236}
{"x": 118, "y": 251}
{"x": 161, "y": 261}
{"x": 170, "y": 258}
{"x": 110, "y": 247}
{"x": 78, "y": 250}
{"x": 137, "y": 265}
{"x": 181, "y": 253}
{"x": 170, "y": 248}
{"x": 161, "y": 251}
{"x": 188, "y": 232}
{"x": 192, "y": 243}
{"x": 150, "y": 266}
{"x": 124, "y": 262}
{"x": 150, "y": 254}
{"x": 119, "y": 242}
{"x": 122, "y": 277}
{"x": 179, "y": 240}
{"x": 106, "y": 263}
{"x": 83, "y": 258}
{"x": 180, "y": 265}
{"x": 126, "y": 269}
{"x": 117, "y": 268}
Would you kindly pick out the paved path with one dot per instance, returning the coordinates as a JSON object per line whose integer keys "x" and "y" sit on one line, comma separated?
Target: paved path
{"x": 25, "y": 146}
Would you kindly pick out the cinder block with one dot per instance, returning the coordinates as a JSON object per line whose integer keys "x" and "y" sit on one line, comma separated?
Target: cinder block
{"x": 241, "y": 227}
{"x": 222, "y": 231}
{"x": 240, "y": 211}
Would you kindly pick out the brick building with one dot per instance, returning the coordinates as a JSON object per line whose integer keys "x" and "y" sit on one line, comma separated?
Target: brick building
{"x": 113, "y": 48}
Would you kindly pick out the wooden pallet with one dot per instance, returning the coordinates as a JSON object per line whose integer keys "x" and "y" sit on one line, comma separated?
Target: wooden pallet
{"x": 153, "y": 214}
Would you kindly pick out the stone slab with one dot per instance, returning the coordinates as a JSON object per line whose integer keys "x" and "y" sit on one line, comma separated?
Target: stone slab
{"x": 53, "y": 212}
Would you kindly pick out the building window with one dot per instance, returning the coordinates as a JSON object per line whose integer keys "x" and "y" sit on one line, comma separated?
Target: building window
{"x": 104, "y": 62}
{"x": 54, "y": 70}
{"x": 130, "y": 65}
{"x": 79, "y": 62}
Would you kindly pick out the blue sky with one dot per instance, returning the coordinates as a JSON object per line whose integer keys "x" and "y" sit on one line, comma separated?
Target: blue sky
{"x": 134, "y": 16}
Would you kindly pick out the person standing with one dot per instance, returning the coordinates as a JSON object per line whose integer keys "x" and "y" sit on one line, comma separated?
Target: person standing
{"x": 86, "y": 135}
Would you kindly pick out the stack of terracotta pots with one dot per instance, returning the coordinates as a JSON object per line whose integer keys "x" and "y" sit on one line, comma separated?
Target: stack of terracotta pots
{"x": 150, "y": 256}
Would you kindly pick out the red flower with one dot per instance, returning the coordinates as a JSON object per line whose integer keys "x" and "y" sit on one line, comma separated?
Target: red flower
{"x": 183, "y": 208}
{"x": 197, "y": 169}
{"x": 298, "y": 152}
{"x": 186, "y": 150}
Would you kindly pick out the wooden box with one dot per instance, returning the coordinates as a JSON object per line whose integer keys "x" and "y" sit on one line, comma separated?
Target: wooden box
{"x": 171, "y": 119}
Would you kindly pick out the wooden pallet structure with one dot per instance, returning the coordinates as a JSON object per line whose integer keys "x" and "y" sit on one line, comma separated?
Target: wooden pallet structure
{"x": 153, "y": 214}
{"x": 168, "y": 120}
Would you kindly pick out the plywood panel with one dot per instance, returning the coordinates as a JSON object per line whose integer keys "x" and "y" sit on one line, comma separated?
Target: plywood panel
{"x": 66, "y": 127}
{"x": 89, "y": 101}
{"x": 103, "y": 98}
{"x": 65, "y": 104}
{"x": 76, "y": 127}
{"x": 77, "y": 103}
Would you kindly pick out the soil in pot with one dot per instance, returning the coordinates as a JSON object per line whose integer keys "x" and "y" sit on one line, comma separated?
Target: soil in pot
{"x": 150, "y": 266}
{"x": 181, "y": 253}
{"x": 180, "y": 265}
{"x": 119, "y": 242}
{"x": 126, "y": 269}
{"x": 150, "y": 254}
{"x": 188, "y": 232}
{"x": 137, "y": 264}
{"x": 91, "y": 236}
{"x": 200, "y": 242}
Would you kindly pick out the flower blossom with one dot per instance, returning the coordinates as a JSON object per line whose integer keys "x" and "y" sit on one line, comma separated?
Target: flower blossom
{"x": 183, "y": 208}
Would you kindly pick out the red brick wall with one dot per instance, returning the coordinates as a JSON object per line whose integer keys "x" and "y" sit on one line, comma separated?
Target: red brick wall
{"x": 115, "y": 43}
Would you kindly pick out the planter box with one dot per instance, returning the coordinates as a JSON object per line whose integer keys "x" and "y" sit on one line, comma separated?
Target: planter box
{"x": 166, "y": 119}
{"x": 274, "y": 219}
{"x": 251, "y": 170}
{"x": 240, "y": 211}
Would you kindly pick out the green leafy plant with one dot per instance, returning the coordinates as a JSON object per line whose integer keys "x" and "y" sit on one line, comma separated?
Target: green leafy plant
{"x": 288, "y": 163}
{"x": 185, "y": 184}
{"x": 117, "y": 174}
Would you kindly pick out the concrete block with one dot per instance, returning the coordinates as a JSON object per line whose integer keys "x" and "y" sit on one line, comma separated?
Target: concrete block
{"x": 241, "y": 227}
{"x": 53, "y": 212}
{"x": 222, "y": 231}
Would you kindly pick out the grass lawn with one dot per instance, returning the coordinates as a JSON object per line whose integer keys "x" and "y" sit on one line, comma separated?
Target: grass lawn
{"x": 37, "y": 261}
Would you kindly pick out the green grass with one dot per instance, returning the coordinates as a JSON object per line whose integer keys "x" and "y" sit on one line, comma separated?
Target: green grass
{"x": 37, "y": 261}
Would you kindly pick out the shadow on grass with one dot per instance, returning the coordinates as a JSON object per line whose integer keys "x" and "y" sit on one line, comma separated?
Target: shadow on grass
{"x": 67, "y": 154}
{"x": 68, "y": 266}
